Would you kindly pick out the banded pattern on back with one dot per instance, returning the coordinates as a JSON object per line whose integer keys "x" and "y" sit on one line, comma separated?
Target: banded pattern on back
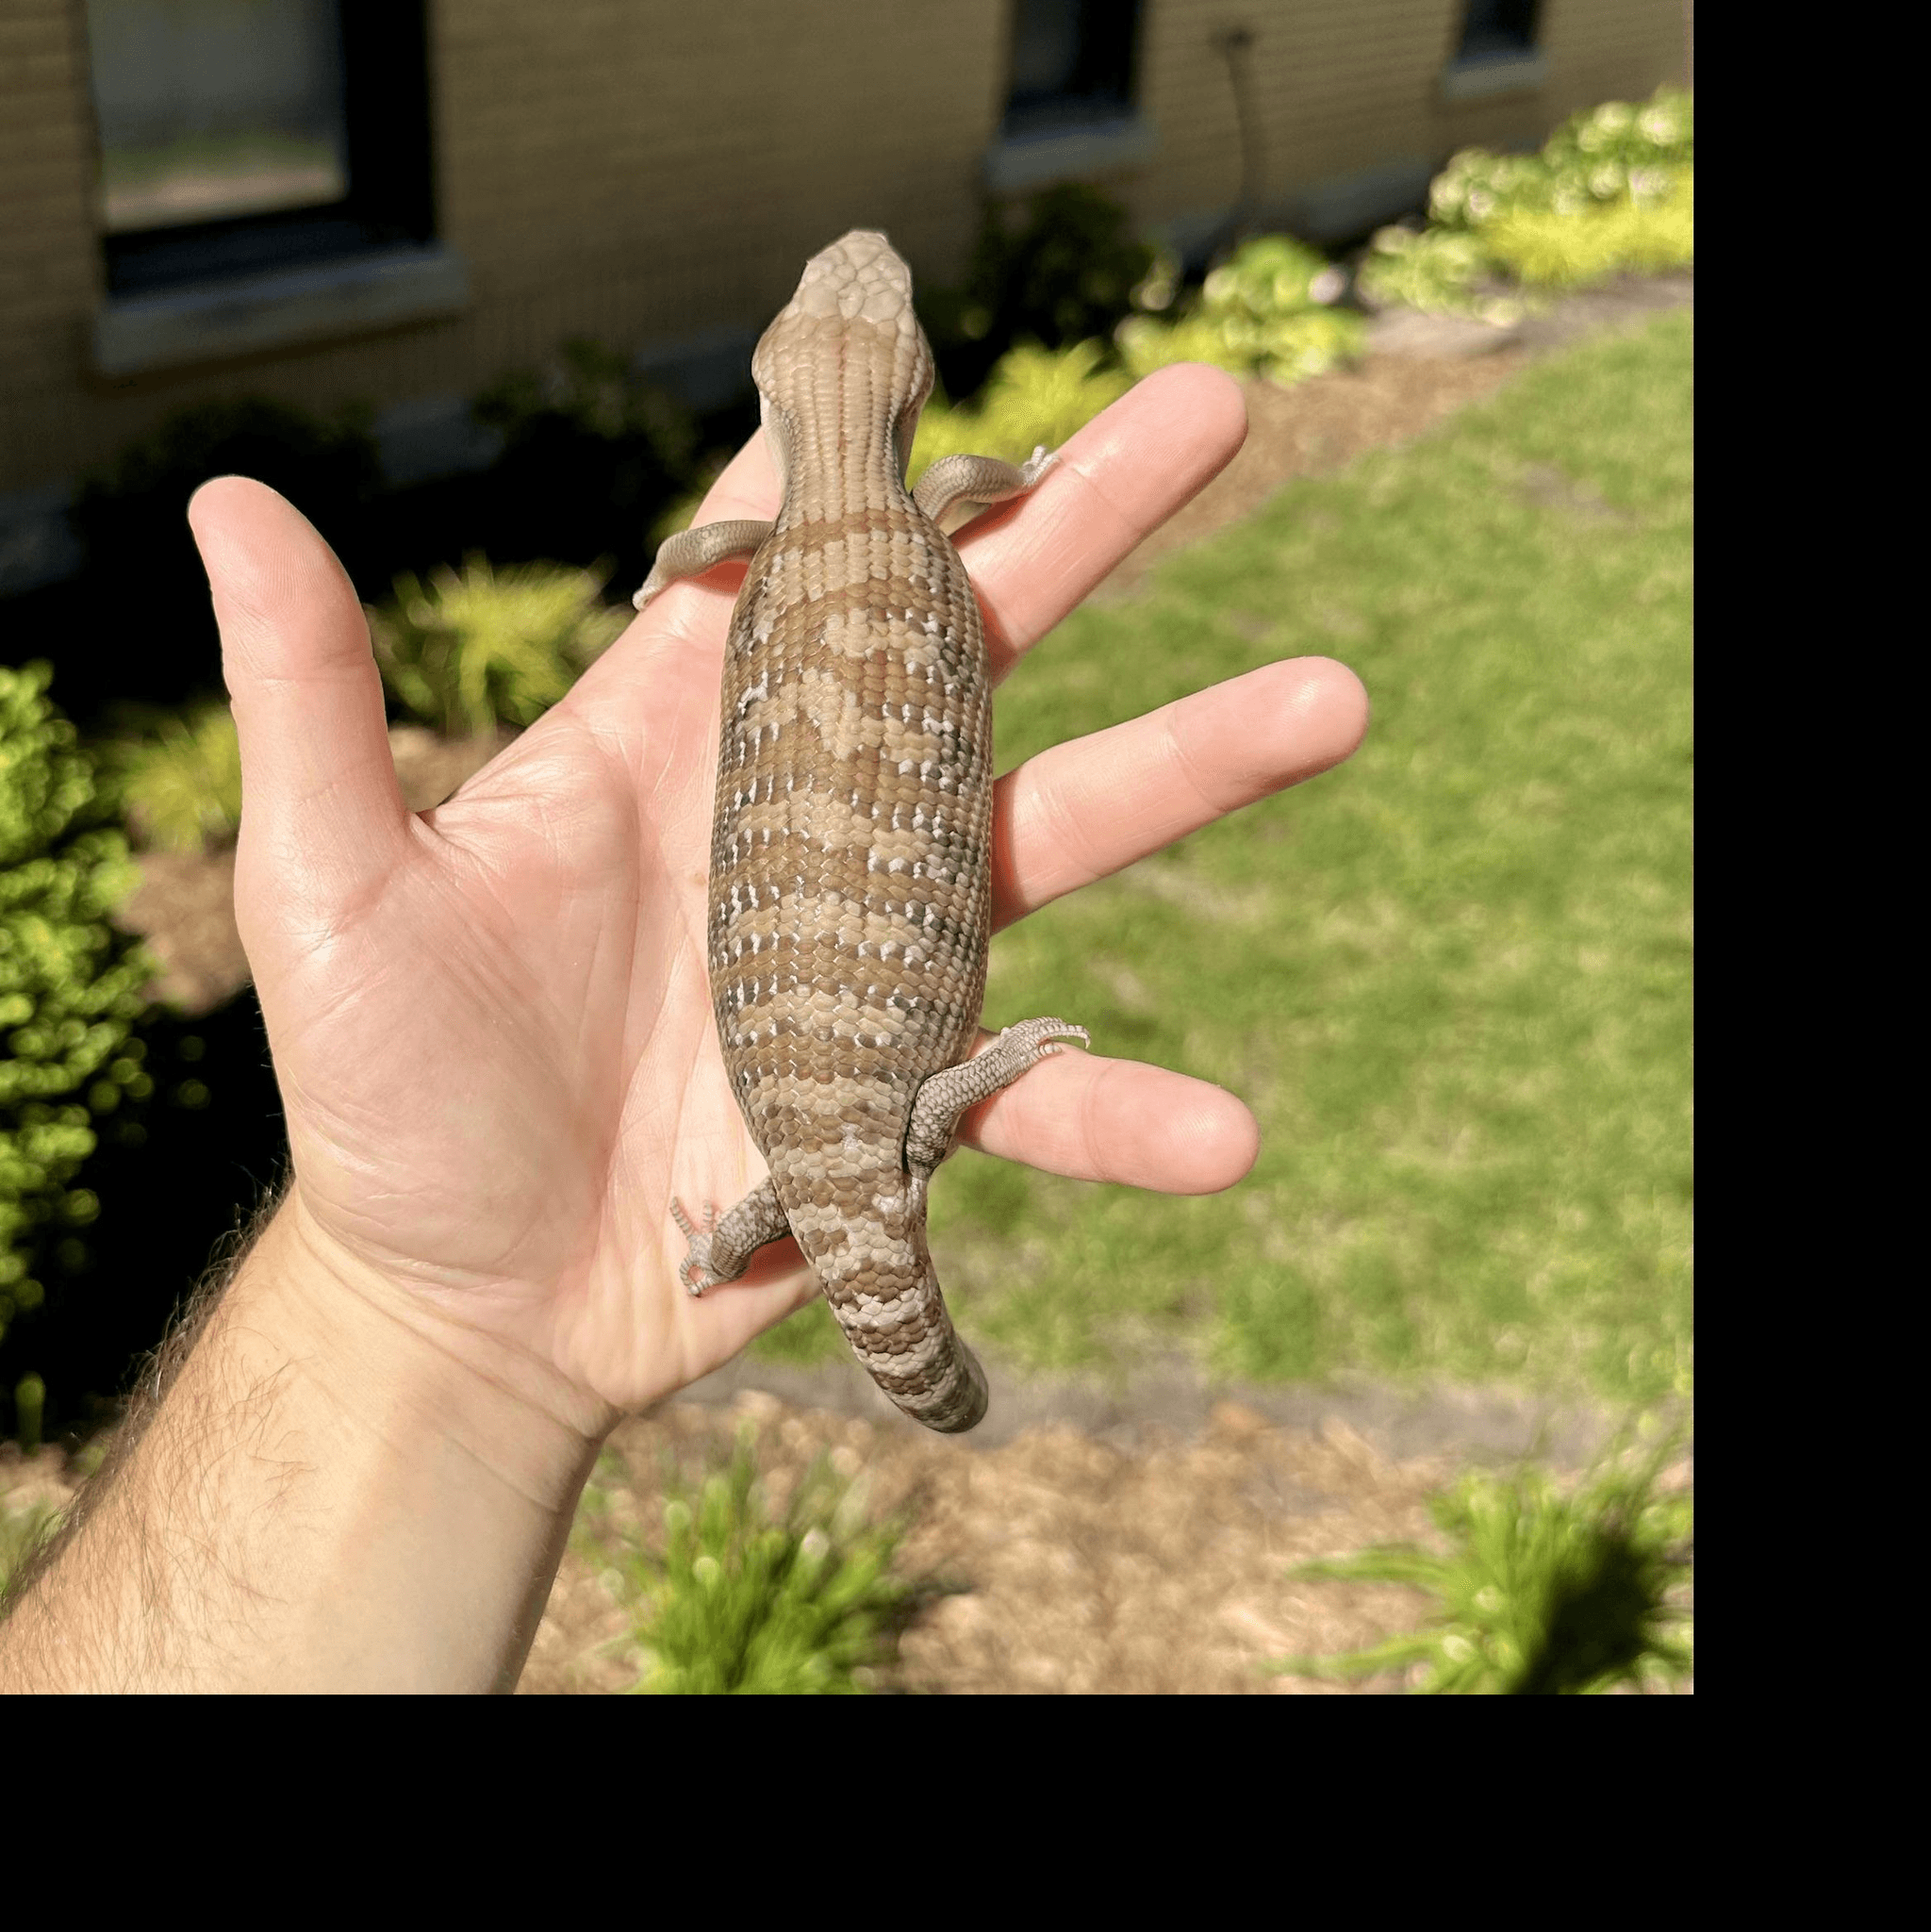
{"x": 851, "y": 899}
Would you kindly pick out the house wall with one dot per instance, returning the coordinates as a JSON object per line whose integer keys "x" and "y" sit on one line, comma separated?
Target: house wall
{"x": 1352, "y": 91}
{"x": 645, "y": 170}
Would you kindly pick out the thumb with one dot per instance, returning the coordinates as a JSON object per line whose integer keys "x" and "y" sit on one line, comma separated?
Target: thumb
{"x": 322, "y": 808}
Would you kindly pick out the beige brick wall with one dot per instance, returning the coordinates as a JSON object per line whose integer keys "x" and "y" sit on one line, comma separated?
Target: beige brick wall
{"x": 49, "y": 269}
{"x": 1346, "y": 85}
{"x": 643, "y": 170}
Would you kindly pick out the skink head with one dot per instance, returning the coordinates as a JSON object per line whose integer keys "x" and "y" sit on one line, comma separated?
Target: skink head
{"x": 860, "y": 275}
{"x": 853, "y": 304}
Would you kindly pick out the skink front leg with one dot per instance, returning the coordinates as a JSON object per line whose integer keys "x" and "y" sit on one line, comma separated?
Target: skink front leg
{"x": 943, "y": 1097}
{"x": 691, "y": 552}
{"x": 978, "y": 480}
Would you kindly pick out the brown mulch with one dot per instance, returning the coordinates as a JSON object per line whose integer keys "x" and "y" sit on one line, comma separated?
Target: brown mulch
{"x": 1050, "y": 1562}
{"x": 1054, "y": 1562}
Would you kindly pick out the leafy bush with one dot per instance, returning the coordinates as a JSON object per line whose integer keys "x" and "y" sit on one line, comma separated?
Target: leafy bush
{"x": 1057, "y": 269}
{"x": 738, "y": 1604}
{"x": 1541, "y": 1593}
{"x": 1264, "y": 312}
{"x": 131, "y": 517}
{"x": 179, "y": 784}
{"x": 1544, "y": 248}
{"x": 1599, "y": 156}
{"x": 1610, "y": 192}
{"x": 1036, "y": 396}
{"x": 1438, "y": 270}
{"x": 592, "y": 453}
{"x": 70, "y": 985}
{"x": 465, "y": 654}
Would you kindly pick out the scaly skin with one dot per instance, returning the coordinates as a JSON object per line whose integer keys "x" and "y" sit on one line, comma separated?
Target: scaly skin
{"x": 850, "y": 896}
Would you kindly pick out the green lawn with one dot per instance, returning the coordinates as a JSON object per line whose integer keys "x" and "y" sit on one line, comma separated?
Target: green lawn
{"x": 1452, "y": 979}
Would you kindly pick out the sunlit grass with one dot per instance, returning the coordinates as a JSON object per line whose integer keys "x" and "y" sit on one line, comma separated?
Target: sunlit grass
{"x": 1452, "y": 978}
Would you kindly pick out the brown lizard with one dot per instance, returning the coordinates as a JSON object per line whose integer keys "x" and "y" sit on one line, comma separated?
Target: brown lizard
{"x": 850, "y": 887}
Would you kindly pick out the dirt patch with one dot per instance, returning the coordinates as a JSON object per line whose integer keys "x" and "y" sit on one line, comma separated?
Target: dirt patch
{"x": 1055, "y": 1562}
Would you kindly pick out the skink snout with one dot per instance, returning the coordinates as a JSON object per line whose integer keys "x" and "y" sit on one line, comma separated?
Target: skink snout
{"x": 859, "y": 274}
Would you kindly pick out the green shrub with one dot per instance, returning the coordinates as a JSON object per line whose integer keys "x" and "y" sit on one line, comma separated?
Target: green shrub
{"x": 466, "y": 653}
{"x": 131, "y": 517}
{"x": 70, "y": 985}
{"x": 1599, "y": 156}
{"x": 1036, "y": 397}
{"x": 590, "y": 387}
{"x": 179, "y": 784}
{"x": 1438, "y": 270}
{"x": 740, "y": 1604}
{"x": 1058, "y": 268}
{"x": 1541, "y": 1594}
{"x": 592, "y": 453}
{"x": 29, "y": 1411}
{"x": 1609, "y": 192}
{"x": 1266, "y": 312}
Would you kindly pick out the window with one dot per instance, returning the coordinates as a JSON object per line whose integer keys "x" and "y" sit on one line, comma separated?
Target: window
{"x": 1497, "y": 30}
{"x": 238, "y": 137}
{"x": 1073, "y": 64}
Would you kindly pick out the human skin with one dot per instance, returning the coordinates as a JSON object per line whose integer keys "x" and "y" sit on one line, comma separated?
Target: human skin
{"x": 492, "y": 1031}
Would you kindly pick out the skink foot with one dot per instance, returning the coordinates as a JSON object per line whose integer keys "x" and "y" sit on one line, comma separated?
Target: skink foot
{"x": 695, "y": 1270}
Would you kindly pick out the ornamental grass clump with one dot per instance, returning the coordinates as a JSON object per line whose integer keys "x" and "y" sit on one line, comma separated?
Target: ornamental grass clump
{"x": 742, "y": 1603}
{"x": 179, "y": 784}
{"x": 70, "y": 985}
{"x": 1540, "y": 1592}
{"x": 464, "y": 655}
{"x": 1035, "y": 398}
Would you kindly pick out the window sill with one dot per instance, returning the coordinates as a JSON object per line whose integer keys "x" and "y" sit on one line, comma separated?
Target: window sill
{"x": 207, "y": 321}
{"x": 1070, "y": 154}
{"x": 1494, "y": 78}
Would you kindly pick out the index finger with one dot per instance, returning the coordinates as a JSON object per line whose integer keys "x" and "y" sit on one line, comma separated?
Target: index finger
{"x": 1121, "y": 477}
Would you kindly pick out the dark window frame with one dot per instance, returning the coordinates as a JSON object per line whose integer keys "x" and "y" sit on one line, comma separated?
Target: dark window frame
{"x": 1497, "y": 30}
{"x": 1108, "y": 63}
{"x": 390, "y": 202}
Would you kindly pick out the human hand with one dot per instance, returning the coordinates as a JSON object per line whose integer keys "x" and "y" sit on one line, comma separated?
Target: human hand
{"x": 491, "y": 1022}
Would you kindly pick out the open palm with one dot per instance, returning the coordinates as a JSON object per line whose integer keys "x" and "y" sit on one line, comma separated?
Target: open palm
{"x": 491, "y": 1022}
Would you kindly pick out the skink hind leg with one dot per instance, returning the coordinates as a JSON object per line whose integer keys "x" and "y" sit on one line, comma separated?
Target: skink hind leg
{"x": 943, "y": 1097}
{"x": 691, "y": 552}
{"x": 721, "y": 1250}
{"x": 978, "y": 480}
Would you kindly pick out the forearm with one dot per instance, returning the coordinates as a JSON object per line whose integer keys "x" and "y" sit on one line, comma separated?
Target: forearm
{"x": 340, "y": 1491}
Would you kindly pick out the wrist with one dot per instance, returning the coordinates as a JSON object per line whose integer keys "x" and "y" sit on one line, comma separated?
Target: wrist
{"x": 402, "y": 1364}
{"x": 343, "y": 1489}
